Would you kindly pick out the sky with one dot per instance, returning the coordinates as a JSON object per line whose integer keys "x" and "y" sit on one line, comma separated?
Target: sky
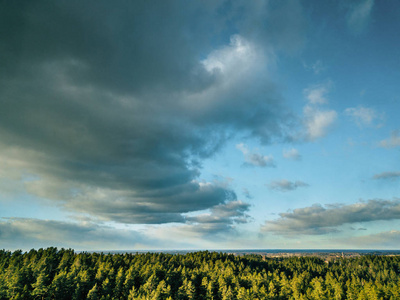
{"x": 151, "y": 125}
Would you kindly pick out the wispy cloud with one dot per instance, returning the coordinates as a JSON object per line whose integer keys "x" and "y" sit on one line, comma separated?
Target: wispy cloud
{"x": 363, "y": 116}
{"x": 318, "y": 219}
{"x": 292, "y": 154}
{"x": 387, "y": 175}
{"x": 392, "y": 142}
{"x": 317, "y": 67}
{"x": 255, "y": 159}
{"x": 284, "y": 185}
{"x": 247, "y": 193}
{"x": 359, "y": 15}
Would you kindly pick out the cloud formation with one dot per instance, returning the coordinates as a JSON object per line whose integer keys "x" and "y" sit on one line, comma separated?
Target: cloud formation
{"x": 284, "y": 185}
{"x": 318, "y": 220}
{"x": 110, "y": 109}
{"x": 255, "y": 159}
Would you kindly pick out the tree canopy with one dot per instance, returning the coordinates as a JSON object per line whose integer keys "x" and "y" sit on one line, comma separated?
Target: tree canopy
{"x": 64, "y": 274}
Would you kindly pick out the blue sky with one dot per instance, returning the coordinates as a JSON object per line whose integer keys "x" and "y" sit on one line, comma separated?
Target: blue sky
{"x": 200, "y": 125}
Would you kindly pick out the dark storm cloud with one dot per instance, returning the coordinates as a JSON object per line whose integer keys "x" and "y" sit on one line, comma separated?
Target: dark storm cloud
{"x": 317, "y": 219}
{"x": 123, "y": 46}
{"x": 111, "y": 107}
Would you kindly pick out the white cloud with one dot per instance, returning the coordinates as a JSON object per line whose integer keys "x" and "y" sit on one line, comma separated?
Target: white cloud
{"x": 255, "y": 159}
{"x": 316, "y": 94}
{"x": 237, "y": 58}
{"x": 292, "y": 154}
{"x": 392, "y": 142}
{"x": 317, "y": 122}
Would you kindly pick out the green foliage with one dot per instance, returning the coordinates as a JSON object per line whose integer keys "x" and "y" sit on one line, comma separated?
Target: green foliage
{"x": 64, "y": 274}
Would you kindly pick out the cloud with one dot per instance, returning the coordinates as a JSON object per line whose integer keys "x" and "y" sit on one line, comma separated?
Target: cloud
{"x": 392, "y": 142}
{"x": 230, "y": 212}
{"x": 286, "y": 185}
{"x": 385, "y": 240}
{"x": 318, "y": 220}
{"x": 316, "y": 94}
{"x": 25, "y": 233}
{"x": 111, "y": 109}
{"x": 362, "y": 116}
{"x": 232, "y": 60}
{"x": 220, "y": 218}
{"x": 292, "y": 154}
{"x": 359, "y": 15}
{"x": 317, "y": 122}
{"x": 255, "y": 159}
{"x": 387, "y": 175}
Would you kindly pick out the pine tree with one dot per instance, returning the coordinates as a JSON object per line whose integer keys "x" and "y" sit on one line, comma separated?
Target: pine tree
{"x": 40, "y": 287}
{"x": 93, "y": 294}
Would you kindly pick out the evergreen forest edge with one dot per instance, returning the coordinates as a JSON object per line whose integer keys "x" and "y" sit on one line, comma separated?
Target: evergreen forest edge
{"x": 65, "y": 274}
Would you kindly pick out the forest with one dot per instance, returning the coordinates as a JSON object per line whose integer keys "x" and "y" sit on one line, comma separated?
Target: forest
{"x": 65, "y": 274}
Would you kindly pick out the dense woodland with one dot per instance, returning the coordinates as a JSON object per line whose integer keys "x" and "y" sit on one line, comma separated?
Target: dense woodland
{"x": 63, "y": 274}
